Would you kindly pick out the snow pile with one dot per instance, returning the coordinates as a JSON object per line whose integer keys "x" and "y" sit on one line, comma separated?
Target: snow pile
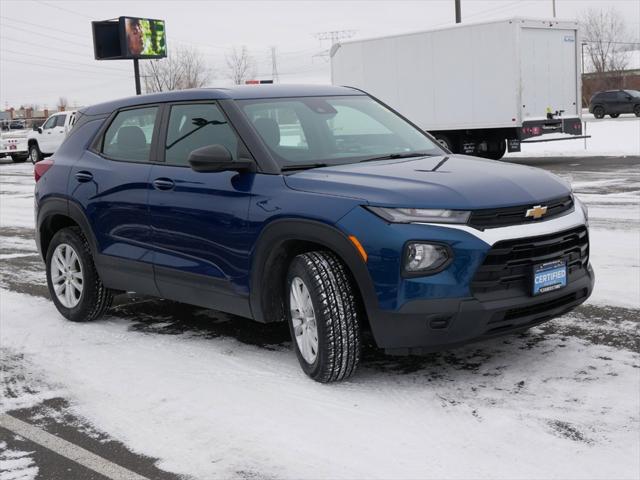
{"x": 220, "y": 408}
{"x": 16, "y": 464}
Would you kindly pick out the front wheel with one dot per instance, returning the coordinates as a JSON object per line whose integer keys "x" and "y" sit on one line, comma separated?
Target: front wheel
{"x": 35, "y": 155}
{"x": 324, "y": 316}
{"x": 598, "y": 112}
{"x": 636, "y": 110}
{"x": 614, "y": 115}
{"x": 74, "y": 284}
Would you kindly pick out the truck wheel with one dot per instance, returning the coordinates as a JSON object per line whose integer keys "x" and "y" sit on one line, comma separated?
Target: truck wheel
{"x": 498, "y": 152}
{"x": 445, "y": 141}
{"x": 636, "y": 110}
{"x": 34, "y": 153}
{"x": 614, "y": 115}
{"x": 323, "y": 316}
{"x": 72, "y": 278}
{"x": 19, "y": 158}
{"x": 598, "y": 112}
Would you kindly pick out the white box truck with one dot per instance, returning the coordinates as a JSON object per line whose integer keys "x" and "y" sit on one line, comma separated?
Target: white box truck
{"x": 477, "y": 88}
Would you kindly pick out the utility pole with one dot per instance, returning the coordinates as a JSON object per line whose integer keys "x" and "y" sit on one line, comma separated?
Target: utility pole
{"x": 274, "y": 66}
{"x": 459, "y": 11}
{"x": 334, "y": 37}
{"x": 553, "y": 2}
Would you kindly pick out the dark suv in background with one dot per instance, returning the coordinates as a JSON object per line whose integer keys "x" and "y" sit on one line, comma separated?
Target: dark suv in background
{"x": 615, "y": 102}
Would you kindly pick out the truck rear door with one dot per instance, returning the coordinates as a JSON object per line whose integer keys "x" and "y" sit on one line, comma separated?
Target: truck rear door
{"x": 548, "y": 72}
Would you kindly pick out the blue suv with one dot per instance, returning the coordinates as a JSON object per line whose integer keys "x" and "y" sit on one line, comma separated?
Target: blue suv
{"x": 314, "y": 205}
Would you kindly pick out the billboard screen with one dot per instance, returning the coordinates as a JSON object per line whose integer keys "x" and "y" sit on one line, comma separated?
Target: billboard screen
{"x": 143, "y": 38}
{"x": 128, "y": 38}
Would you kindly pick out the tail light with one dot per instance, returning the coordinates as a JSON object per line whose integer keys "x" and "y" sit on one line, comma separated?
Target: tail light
{"x": 41, "y": 168}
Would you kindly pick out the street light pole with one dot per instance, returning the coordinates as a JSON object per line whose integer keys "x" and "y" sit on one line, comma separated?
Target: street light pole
{"x": 458, "y": 12}
{"x": 554, "y": 8}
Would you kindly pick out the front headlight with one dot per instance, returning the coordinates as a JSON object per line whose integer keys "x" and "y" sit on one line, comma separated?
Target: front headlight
{"x": 421, "y": 215}
{"x": 425, "y": 258}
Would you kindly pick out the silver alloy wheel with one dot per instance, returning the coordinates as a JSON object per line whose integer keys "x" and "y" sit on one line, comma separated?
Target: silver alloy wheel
{"x": 303, "y": 319}
{"x": 66, "y": 275}
{"x": 33, "y": 155}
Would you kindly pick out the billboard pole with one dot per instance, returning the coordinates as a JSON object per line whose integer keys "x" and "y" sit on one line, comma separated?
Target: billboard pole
{"x": 136, "y": 74}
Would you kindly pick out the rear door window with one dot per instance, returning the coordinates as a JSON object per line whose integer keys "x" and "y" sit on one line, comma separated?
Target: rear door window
{"x": 130, "y": 135}
{"x": 60, "y": 119}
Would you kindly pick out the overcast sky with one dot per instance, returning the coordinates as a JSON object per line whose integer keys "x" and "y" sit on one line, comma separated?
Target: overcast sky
{"x": 46, "y": 46}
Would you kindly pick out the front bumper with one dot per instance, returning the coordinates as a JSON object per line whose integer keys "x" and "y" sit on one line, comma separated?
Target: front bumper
{"x": 423, "y": 326}
{"x": 462, "y": 304}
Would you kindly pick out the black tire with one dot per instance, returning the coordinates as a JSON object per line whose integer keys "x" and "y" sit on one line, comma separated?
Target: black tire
{"x": 19, "y": 158}
{"x": 636, "y": 110}
{"x": 445, "y": 141}
{"x": 614, "y": 115}
{"x": 497, "y": 150}
{"x": 598, "y": 112}
{"x": 35, "y": 155}
{"x": 95, "y": 298}
{"x": 337, "y": 313}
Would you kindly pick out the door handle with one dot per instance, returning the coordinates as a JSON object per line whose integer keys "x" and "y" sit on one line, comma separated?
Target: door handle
{"x": 84, "y": 176}
{"x": 163, "y": 184}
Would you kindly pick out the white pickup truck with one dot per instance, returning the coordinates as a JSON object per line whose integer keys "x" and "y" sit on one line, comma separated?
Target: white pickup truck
{"x": 40, "y": 142}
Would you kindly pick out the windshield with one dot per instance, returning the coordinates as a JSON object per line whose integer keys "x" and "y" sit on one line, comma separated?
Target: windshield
{"x": 315, "y": 131}
{"x": 633, "y": 93}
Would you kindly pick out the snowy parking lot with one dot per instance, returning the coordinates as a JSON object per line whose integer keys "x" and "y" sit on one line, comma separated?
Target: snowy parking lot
{"x": 172, "y": 391}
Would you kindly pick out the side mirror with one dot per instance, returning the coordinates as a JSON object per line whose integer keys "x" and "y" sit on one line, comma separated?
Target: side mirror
{"x": 217, "y": 158}
{"x": 39, "y": 129}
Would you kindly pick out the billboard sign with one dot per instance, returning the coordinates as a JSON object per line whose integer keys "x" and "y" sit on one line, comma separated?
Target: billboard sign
{"x": 129, "y": 38}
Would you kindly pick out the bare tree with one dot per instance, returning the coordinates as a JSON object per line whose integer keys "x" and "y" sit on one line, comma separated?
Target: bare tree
{"x": 240, "y": 64}
{"x": 605, "y": 34}
{"x": 63, "y": 103}
{"x": 184, "y": 67}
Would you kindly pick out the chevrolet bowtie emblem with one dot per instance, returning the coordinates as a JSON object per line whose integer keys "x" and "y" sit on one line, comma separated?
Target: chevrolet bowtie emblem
{"x": 536, "y": 212}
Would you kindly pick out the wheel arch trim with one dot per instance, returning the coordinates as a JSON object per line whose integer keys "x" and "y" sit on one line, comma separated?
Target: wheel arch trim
{"x": 274, "y": 236}
{"x": 62, "y": 206}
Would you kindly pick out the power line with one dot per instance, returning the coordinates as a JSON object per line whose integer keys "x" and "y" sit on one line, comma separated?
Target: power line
{"x": 60, "y": 67}
{"x": 45, "y": 35}
{"x": 65, "y": 61}
{"x": 42, "y": 26}
{"x": 63, "y": 9}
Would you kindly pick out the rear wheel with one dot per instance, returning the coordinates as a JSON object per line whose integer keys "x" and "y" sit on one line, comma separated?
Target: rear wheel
{"x": 324, "y": 316}
{"x": 614, "y": 115}
{"x": 18, "y": 158}
{"x": 445, "y": 141}
{"x": 74, "y": 284}
{"x": 598, "y": 112}
{"x": 34, "y": 153}
{"x": 497, "y": 149}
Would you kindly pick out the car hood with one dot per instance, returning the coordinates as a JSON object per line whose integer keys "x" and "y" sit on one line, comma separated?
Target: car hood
{"x": 452, "y": 181}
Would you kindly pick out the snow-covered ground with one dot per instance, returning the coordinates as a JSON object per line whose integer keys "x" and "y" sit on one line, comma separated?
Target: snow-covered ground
{"x": 609, "y": 137}
{"x": 213, "y": 396}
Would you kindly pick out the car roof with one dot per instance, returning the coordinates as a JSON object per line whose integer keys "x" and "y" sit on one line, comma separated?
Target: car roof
{"x": 240, "y": 92}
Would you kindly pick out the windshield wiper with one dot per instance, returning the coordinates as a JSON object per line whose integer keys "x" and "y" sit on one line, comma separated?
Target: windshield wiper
{"x": 303, "y": 166}
{"x": 394, "y": 156}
